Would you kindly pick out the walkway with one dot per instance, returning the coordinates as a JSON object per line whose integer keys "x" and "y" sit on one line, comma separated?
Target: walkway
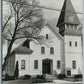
{"x": 61, "y": 82}
{"x": 65, "y": 82}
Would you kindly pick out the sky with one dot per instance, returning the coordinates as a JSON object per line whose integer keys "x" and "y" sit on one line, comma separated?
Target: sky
{"x": 77, "y": 4}
{"x": 53, "y": 15}
{"x": 50, "y": 14}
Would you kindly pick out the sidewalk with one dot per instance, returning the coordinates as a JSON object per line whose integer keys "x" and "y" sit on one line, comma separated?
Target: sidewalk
{"x": 63, "y": 81}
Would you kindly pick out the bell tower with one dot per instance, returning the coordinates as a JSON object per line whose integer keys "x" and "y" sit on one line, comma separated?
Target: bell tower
{"x": 68, "y": 20}
{"x": 68, "y": 28}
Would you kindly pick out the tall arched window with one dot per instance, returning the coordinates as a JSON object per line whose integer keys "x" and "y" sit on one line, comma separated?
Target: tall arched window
{"x": 51, "y": 50}
{"x": 58, "y": 64}
{"x": 76, "y": 43}
{"x": 74, "y": 64}
{"x": 46, "y": 36}
{"x": 42, "y": 50}
{"x": 22, "y": 64}
{"x": 70, "y": 43}
{"x": 67, "y": 25}
{"x": 35, "y": 64}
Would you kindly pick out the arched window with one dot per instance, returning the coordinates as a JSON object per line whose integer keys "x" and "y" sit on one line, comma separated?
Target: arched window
{"x": 51, "y": 50}
{"x": 22, "y": 64}
{"x": 76, "y": 43}
{"x": 71, "y": 26}
{"x": 67, "y": 25}
{"x": 75, "y": 27}
{"x": 46, "y": 36}
{"x": 70, "y": 43}
{"x": 35, "y": 64}
{"x": 58, "y": 64}
{"x": 42, "y": 50}
{"x": 74, "y": 64}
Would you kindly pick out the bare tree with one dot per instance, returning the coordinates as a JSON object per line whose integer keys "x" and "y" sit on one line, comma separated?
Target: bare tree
{"x": 6, "y": 17}
{"x": 22, "y": 22}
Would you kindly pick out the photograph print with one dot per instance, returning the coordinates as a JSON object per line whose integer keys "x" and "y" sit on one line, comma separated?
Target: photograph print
{"x": 42, "y": 41}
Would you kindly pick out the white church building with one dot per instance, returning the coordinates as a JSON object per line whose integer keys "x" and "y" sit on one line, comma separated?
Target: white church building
{"x": 62, "y": 52}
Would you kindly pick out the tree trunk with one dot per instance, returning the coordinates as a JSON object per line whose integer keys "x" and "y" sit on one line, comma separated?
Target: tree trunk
{"x": 9, "y": 48}
{"x": 11, "y": 43}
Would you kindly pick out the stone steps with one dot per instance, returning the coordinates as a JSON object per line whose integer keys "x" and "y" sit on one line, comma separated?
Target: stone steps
{"x": 51, "y": 77}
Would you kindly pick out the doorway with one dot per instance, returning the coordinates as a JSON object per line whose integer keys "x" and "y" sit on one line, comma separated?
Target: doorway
{"x": 47, "y": 66}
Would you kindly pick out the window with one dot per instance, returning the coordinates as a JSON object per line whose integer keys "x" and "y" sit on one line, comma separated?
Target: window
{"x": 76, "y": 43}
{"x": 70, "y": 43}
{"x": 7, "y": 65}
{"x": 51, "y": 50}
{"x": 22, "y": 64}
{"x": 74, "y": 64}
{"x": 58, "y": 64}
{"x": 12, "y": 65}
{"x": 35, "y": 64}
{"x": 75, "y": 27}
{"x": 67, "y": 25}
{"x": 71, "y": 26}
{"x": 43, "y": 50}
{"x": 46, "y": 36}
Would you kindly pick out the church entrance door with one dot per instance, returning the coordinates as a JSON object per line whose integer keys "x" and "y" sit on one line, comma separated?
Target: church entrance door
{"x": 47, "y": 66}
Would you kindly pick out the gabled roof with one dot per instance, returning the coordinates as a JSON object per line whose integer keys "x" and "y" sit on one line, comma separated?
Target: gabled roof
{"x": 55, "y": 31}
{"x": 22, "y": 48}
{"x": 68, "y": 14}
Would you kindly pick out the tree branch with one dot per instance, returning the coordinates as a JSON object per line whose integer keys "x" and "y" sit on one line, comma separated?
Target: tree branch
{"x": 26, "y": 37}
{"x": 4, "y": 26}
{"x": 26, "y": 16}
{"x": 23, "y": 28}
{"x": 10, "y": 33}
{"x": 6, "y": 38}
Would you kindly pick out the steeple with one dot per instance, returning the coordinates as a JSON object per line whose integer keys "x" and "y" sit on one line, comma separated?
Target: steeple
{"x": 67, "y": 17}
{"x": 68, "y": 14}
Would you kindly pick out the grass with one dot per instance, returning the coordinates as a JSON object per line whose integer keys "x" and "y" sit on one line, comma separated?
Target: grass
{"x": 72, "y": 79}
{"x": 17, "y": 82}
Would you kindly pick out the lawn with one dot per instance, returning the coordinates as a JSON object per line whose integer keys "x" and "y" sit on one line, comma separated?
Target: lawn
{"x": 73, "y": 80}
{"x": 17, "y": 82}
{"x": 29, "y": 82}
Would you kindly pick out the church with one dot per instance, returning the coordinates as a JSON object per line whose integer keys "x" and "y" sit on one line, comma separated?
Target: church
{"x": 62, "y": 52}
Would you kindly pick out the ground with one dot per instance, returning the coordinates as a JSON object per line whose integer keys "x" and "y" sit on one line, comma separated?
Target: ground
{"x": 30, "y": 82}
{"x": 17, "y": 82}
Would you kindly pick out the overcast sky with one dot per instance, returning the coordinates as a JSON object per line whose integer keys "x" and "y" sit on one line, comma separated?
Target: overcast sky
{"x": 50, "y": 14}
{"x": 77, "y": 4}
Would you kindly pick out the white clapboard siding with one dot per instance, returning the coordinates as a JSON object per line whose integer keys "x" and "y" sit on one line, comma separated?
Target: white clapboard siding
{"x": 73, "y": 53}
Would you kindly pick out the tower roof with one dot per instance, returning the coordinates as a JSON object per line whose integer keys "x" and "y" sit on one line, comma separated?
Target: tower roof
{"x": 68, "y": 14}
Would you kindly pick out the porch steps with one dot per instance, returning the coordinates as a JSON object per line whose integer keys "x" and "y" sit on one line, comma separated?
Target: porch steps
{"x": 50, "y": 77}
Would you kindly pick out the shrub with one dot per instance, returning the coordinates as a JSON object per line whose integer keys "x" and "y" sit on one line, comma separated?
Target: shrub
{"x": 16, "y": 72}
{"x": 40, "y": 77}
{"x": 61, "y": 76}
{"x": 27, "y": 76}
{"x": 38, "y": 81}
{"x": 78, "y": 76}
{"x": 8, "y": 77}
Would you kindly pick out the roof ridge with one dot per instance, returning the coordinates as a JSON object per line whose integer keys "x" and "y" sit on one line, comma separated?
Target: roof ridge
{"x": 66, "y": 16}
{"x": 54, "y": 30}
